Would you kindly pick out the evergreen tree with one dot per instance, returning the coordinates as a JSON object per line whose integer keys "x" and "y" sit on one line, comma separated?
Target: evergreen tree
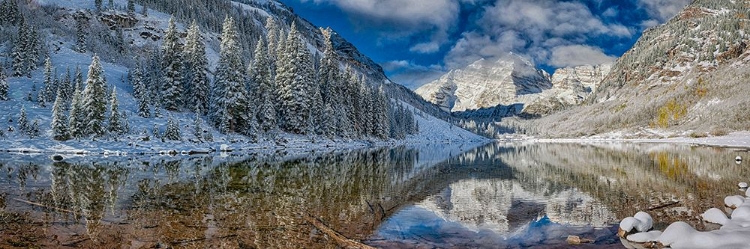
{"x": 80, "y": 35}
{"x": 230, "y": 97}
{"x": 196, "y": 69}
{"x": 79, "y": 79}
{"x": 111, "y": 5}
{"x": 32, "y": 51}
{"x": 327, "y": 122}
{"x": 379, "y": 114}
{"x": 20, "y": 50}
{"x": 50, "y": 88}
{"x": 294, "y": 76}
{"x": 4, "y": 88}
{"x": 131, "y": 8}
{"x": 197, "y": 126}
{"x": 94, "y": 99}
{"x": 115, "y": 123}
{"x": 173, "y": 130}
{"x": 41, "y": 97}
{"x": 260, "y": 73}
{"x": 98, "y": 5}
{"x": 60, "y": 130}
{"x": 272, "y": 36}
{"x": 140, "y": 92}
{"x": 76, "y": 115}
{"x": 171, "y": 69}
{"x": 66, "y": 89}
{"x": 23, "y": 121}
{"x": 329, "y": 70}
{"x": 34, "y": 130}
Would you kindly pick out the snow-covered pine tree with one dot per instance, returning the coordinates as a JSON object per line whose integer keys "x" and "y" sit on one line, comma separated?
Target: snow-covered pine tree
{"x": 41, "y": 97}
{"x": 4, "y": 87}
{"x": 80, "y": 35}
{"x": 78, "y": 84}
{"x": 23, "y": 121}
{"x": 329, "y": 71}
{"x": 34, "y": 130}
{"x": 66, "y": 89}
{"x": 75, "y": 117}
{"x": 380, "y": 114}
{"x": 272, "y": 38}
{"x": 98, "y": 5}
{"x": 115, "y": 125}
{"x": 32, "y": 51}
{"x": 172, "y": 132}
{"x": 140, "y": 92}
{"x": 198, "y": 126}
{"x": 316, "y": 108}
{"x": 365, "y": 109}
{"x": 131, "y": 8}
{"x": 94, "y": 99}
{"x": 111, "y": 5}
{"x": 327, "y": 122}
{"x": 20, "y": 50}
{"x": 50, "y": 88}
{"x": 260, "y": 73}
{"x": 59, "y": 124}
{"x": 294, "y": 76}
{"x": 171, "y": 69}
{"x": 230, "y": 106}
{"x": 353, "y": 102}
{"x": 196, "y": 69}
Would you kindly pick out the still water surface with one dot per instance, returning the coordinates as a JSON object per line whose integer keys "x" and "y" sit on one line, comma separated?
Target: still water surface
{"x": 499, "y": 195}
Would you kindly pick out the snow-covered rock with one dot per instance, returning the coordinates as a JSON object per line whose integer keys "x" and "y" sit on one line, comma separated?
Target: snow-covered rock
{"x": 644, "y": 236}
{"x": 734, "y": 201}
{"x": 714, "y": 215}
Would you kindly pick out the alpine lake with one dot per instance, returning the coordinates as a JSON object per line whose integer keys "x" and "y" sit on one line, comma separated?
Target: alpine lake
{"x": 496, "y": 195}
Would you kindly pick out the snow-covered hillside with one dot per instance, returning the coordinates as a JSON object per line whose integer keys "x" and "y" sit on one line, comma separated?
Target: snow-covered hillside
{"x": 141, "y": 35}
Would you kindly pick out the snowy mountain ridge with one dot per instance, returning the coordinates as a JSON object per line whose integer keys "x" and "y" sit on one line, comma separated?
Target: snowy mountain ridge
{"x": 486, "y": 83}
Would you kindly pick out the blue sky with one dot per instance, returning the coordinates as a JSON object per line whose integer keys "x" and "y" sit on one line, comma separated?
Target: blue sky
{"x": 416, "y": 41}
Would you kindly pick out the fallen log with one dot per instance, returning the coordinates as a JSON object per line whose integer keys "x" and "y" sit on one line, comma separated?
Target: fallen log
{"x": 340, "y": 239}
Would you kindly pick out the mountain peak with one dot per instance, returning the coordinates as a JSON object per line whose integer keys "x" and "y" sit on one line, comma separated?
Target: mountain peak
{"x": 486, "y": 83}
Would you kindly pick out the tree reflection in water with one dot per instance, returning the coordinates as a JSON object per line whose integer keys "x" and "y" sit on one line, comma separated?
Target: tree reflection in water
{"x": 261, "y": 201}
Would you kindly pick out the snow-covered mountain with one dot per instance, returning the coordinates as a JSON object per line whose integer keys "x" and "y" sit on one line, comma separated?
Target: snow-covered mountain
{"x": 685, "y": 77}
{"x": 511, "y": 86}
{"x": 486, "y": 83}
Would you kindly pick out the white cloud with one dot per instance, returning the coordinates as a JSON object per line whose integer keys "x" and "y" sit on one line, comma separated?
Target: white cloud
{"x": 403, "y": 18}
{"x": 576, "y": 55}
{"x": 532, "y": 27}
{"x": 412, "y": 75}
{"x": 662, "y": 10}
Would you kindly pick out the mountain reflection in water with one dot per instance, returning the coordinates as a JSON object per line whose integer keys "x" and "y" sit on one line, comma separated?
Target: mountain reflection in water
{"x": 448, "y": 195}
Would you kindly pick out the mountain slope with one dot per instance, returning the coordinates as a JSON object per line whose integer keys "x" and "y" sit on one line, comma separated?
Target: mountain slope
{"x": 685, "y": 77}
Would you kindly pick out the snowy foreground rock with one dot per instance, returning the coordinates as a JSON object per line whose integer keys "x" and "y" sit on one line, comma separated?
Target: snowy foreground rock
{"x": 733, "y": 233}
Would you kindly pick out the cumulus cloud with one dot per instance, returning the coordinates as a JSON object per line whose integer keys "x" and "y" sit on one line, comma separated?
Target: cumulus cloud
{"x": 576, "y": 55}
{"x": 533, "y": 28}
{"x": 404, "y": 18}
{"x": 412, "y": 75}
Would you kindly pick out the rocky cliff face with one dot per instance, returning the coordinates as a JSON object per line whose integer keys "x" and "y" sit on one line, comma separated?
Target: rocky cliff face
{"x": 570, "y": 87}
{"x": 486, "y": 83}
